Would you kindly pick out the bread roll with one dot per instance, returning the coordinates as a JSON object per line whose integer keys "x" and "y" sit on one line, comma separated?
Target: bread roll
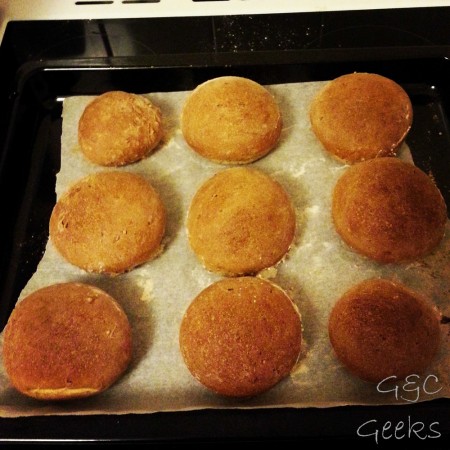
{"x": 389, "y": 210}
{"x": 240, "y": 222}
{"x": 109, "y": 222}
{"x": 119, "y": 128}
{"x": 231, "y": 120}
{"x": 241, "y": 336}
{"x": 66, "y": 341}
{"x": 361, "y": 116}
{"x": 380, "y": 329}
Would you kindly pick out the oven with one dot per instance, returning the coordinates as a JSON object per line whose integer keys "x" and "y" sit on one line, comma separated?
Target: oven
{"x": 52, "y": 50}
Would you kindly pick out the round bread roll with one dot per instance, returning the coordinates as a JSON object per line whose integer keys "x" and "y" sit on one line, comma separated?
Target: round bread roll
{"x": 231, "y": 120}
{"x": 109, "y": 222}
{"x": 241, "y": 336}
{"x": 380, "y": 329}
{"x": 388, "y": 210}
{"x": 361, "y": 116}
{"x": 119, "y": 128}
{"x": 66, "y": 341}
{"x": 240, "y": 221}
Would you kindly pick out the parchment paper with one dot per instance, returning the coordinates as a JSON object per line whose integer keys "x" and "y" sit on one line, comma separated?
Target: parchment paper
{"x": 318, "y": 269}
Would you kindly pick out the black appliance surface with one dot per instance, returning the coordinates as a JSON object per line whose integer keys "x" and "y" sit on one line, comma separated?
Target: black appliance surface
{"x": 45, "y": 61}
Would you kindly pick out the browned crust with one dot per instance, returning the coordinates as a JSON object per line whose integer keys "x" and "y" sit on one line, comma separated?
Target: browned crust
{"x": 240, "y": 221}
{"x": 231, "y": 120}
{"x": 66, "y": 341}
{"x": 389, "y": 210}
{"x": 380, "y": 329}
{"x": 119, "y": 128}
{"x": 360, "y": 116}
{"x": 109, "y": 222}
{"x": 241, "y": 336}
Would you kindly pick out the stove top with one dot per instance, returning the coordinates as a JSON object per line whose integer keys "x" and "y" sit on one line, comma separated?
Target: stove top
{"x": 120, "y": 9}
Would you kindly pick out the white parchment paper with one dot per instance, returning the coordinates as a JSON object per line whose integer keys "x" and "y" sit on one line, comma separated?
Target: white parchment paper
{"x": 318, "y": 269}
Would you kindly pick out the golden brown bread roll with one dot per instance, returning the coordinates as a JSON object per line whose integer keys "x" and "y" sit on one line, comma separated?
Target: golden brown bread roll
{"x": 240, "y": 221}
{"x": 380, "y": 329}
{"x": 119, "y": 128}
{"x": 360, "y": 116}
{"x": 231, "y": 120}
{"x": 388, "y": 210}
{"x": 109, "y": 222}
{"x": 241, "y": 336}
{"x": 66, "y": 341}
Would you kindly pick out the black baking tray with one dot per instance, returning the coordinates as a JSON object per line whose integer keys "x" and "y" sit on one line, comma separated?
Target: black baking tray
{"x": 47, "y": 61}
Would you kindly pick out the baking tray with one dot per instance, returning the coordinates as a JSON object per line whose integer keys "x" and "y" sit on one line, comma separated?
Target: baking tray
{"x": 29, "y": 163}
